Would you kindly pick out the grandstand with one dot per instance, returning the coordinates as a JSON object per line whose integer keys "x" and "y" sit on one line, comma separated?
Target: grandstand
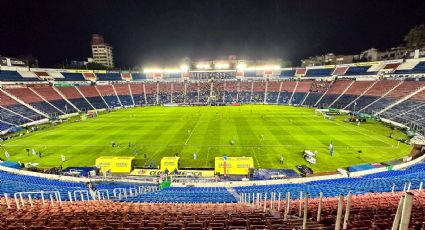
{"x": 393, "y": 91}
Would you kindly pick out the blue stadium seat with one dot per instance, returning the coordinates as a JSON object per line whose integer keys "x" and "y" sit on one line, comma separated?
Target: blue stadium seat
{"x": 325, "y": 72}
{"x": 7, "y": 75}
{"x": 419, "y": 68}
{"x": 358, "y": 70}
{"x": 287, "y": 73}
{"x": 73, "y": 77}
{"x": 138, "y": 76}
{"x": 108, "y": 77}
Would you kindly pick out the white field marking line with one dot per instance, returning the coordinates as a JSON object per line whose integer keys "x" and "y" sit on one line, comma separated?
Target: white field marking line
{"x": 366, "y": 131}
{"x": 194, "y": 127}
{"x": 219, "y": 145}
{"x": 299, "y": 128}
{"x": 255, "y": 156}
{"x": 50, "y": 129}
{"x": 206, "y": 160}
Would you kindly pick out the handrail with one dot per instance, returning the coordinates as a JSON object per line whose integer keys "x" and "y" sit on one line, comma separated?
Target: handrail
{"x": 21, "y": 200}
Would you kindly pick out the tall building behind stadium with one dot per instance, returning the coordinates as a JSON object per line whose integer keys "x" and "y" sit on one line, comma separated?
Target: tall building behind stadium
{"x": 101, "y": 51}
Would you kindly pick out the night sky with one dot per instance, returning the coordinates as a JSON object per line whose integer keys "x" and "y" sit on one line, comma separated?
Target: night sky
{"x": 164, "y": 32}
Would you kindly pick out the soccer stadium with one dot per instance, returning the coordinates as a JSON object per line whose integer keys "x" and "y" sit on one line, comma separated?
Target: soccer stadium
{"x": 209, "y": 144}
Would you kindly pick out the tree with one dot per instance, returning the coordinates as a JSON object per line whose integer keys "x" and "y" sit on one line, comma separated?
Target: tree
{"x": 30, "y": 60}
{"x": 415, "y": 39}
{"x": 96, "y": 66}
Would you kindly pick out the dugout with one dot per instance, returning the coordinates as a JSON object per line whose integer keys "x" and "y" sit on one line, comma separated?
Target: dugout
{"x": 234, "y": 165}
{"x": 114, "y": 164}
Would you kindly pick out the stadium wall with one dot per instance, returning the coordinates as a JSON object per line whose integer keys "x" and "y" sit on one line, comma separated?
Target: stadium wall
{"x": 215, "y": 184}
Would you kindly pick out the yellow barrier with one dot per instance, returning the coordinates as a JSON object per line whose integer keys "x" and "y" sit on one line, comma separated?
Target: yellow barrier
{"x": 234, "y": 165}
{"x": 114, "y": 164}
{"x": 169, "y": 163}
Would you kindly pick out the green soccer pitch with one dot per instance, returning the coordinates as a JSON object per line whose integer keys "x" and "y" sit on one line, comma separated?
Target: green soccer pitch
{"x": 264, "y": 132}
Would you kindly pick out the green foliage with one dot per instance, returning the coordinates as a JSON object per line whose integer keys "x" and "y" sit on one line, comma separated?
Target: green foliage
{"x": 95, "y": 66}
{"x": 415, "y": 39}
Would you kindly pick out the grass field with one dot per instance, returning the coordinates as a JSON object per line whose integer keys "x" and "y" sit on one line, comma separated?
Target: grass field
{"x": 163, "y": 131}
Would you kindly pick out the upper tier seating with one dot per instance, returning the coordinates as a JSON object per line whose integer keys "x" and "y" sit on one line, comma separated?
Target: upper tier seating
{"x": 138, "y": 76}
{"x": 72, "y": 77}
{"x": 340, "y": 70}
{"x": 287, "y": 73}
{"x": 251, "y": 73}
{"x": 325, "y": 72}
{"x": 6, "y": 75}
{"x": 419, "y": 68}
{"x": 108, "y": 77}
{"x": 358, "y": 70}
{"x": 391, "y": 66}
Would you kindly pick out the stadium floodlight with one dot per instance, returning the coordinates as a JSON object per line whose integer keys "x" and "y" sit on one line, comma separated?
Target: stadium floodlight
{"x": 172, "y": 71}
{"x": 162, "y": 70}
{"x": 184, "y": 68}
{"x": 203, "y": 66}
{"x": 152, "y": 70}
{"x": 222, "y": 65}
{"x": 265, "y": 67}
{"x": 240, "y": 66}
